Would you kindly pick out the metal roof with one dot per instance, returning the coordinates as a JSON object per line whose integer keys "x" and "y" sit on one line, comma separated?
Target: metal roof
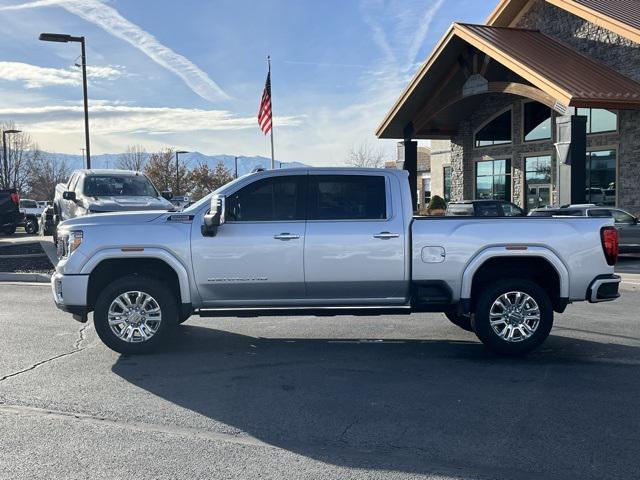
{"x": 584, "y": 79}
{"x": 619, "y": 16}
{"x": 624, "y": 11}
{"x": 562, "y": 75}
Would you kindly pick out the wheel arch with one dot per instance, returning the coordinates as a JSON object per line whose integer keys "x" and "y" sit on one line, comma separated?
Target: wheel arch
{"x": 107, "y": 265}
{"x": 538, "y": 264}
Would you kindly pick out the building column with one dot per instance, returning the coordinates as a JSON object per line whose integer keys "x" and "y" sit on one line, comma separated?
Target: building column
{"x": 571, "y": 145}
{"x": 411, "y": 166}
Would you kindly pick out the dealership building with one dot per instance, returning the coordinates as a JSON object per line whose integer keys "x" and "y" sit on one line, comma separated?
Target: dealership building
{"x": 540, "y": 105}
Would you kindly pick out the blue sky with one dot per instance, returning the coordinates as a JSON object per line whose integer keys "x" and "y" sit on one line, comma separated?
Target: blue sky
{"x": 190, "y": 74}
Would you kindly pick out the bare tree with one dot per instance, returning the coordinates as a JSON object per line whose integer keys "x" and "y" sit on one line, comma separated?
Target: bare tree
{"x": 134, "y": 158}
{"x": 366, "y": 155}
{"x": 45, "y": 172}
{"x": 20, "y": 151}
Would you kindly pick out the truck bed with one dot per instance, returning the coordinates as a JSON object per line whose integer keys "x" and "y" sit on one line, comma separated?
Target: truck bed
{"x": 443, "y": 248}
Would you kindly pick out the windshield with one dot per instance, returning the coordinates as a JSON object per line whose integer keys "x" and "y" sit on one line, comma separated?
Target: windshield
{"x": 118, "y": 186}
{"x": 28, "y": 204}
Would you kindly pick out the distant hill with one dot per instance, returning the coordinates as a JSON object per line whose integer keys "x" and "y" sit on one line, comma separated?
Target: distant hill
{"x": 245, "y": 164}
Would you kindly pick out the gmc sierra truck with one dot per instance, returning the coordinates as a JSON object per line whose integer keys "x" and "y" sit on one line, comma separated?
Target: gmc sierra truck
{"x": 328, "y": 241}
{"x": 99, "y": 191}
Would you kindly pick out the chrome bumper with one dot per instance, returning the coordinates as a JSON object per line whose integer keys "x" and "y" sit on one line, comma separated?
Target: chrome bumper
{"x": 70, "y": 294}
{"x": 604, "y": 289}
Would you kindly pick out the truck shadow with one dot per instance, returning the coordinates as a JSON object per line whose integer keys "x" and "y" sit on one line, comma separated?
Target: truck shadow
{"x": 415, "y": 406}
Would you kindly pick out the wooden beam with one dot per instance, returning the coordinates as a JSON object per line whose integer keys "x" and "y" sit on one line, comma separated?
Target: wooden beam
{"x": 511, "y": 88}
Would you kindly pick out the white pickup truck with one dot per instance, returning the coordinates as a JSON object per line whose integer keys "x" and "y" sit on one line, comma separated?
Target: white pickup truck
{"x": 328, "y": 241}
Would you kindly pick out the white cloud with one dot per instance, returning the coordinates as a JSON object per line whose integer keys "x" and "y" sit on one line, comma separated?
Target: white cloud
{"x": 107, "y": 119}
{"x": 108, "y": 18}
{"x": 34, "y": 76}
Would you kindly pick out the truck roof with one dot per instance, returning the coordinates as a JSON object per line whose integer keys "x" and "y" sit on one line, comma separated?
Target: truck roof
{"x": 108, "y": 171}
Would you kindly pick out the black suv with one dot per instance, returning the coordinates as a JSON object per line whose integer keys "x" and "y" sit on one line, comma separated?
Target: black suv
{"x": 10, "y": 215}
{"x": 484, "y": 208}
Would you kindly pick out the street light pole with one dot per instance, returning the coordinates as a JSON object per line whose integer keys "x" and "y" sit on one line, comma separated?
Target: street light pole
{"x": 64, "y": 38}
{"x": 4, "y": 156}
{"x": 178, "y": 171}
{"x": 86, "y": 103}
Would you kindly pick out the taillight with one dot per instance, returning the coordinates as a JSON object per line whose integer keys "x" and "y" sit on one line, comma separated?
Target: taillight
{"x": 15, "y": 198}
{"x": 609, "y": 237}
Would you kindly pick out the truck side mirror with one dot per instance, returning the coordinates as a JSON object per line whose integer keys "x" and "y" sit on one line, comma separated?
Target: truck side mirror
{"x": 215, "y": 217}
{"x": 68, "y": 195}
{"x": 167, "y": 195}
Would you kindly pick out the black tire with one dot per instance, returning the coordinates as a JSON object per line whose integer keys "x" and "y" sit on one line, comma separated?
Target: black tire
{"x": 9, "y": 230}
{"x": 31, "y": 227}
{"x": 160, "y": 292}
{"x": 460, "y": 320}
{"x": 485, "y": 332}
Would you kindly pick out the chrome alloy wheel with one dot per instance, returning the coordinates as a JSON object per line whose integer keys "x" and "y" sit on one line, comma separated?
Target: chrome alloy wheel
{"x": 514, "y": 316}
{"x": 134, "y": 317}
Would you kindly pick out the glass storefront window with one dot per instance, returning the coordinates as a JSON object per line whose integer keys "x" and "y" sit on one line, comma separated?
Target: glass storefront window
{"x": 537, "y": 122}
{"x": 601, "y": 177}
{"x": 496, "y": 132}
{"x": 493, "y": 180}
{"x": 599, "y": 120}
{"x": 446, "y": 181}
{"x": 538, "y": 181}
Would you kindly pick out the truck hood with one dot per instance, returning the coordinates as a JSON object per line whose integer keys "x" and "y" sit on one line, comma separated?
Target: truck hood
{"x": 119, "y": 204}
{"x": 115, "y": 218}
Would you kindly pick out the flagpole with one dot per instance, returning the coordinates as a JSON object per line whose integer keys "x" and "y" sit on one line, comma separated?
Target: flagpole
{"x": 273, "y": 158}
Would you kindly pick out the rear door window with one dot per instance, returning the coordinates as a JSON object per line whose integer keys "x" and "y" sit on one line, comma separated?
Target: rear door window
{"x": 347, "y": 197}
{"x": 488, "y": 209}
{"x": 511, "y": 210}
{"x": 600, "y": 212}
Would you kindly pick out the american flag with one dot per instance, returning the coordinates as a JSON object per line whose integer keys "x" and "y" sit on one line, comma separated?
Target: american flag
{"x": 264, "y": 113}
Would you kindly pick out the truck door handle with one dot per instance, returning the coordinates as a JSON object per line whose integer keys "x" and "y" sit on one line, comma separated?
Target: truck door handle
{"x": 386, "y": 235}
{"x": 286, "y": 236}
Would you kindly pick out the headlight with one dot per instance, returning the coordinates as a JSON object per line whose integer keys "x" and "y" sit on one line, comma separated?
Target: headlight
{"x": 68, "y": 242}
{"x": 75, "y": 239}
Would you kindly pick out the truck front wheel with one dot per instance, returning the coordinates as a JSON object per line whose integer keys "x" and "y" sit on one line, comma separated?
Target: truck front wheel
{"x": 135, "y": 314}
{"x": 513, "y": 316}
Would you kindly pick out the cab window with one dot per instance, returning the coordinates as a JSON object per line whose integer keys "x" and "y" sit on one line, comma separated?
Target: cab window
{"x": 347, "y": 197}
{"x": 268, "y": 200}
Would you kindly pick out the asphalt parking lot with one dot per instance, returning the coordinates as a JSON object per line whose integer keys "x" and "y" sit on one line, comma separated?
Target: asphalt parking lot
{"x": 333, "y": 397}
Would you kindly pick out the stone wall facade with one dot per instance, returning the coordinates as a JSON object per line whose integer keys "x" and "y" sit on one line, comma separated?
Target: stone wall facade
{"x": 605, "y": 46}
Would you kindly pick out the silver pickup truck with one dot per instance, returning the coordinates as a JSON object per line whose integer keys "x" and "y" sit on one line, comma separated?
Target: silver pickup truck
{"x": 328, "y": 241}
{"x": 106, "y": 190}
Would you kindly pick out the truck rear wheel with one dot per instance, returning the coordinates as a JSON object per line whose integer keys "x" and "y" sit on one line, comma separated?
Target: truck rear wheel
{"x": 513, "y": 316}
{"x": 135, "y": 314}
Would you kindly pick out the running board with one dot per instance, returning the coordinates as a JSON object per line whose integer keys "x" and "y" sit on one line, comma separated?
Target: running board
{"x": 304, "y": 311}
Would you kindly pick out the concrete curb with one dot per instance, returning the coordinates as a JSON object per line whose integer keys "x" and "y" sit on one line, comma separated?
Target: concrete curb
{"x": 25, "y": 277}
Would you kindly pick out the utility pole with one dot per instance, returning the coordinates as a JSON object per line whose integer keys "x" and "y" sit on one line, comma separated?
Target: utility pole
{"x": 236, "y": 169}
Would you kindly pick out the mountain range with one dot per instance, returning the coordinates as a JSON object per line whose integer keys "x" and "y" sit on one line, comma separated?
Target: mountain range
{"x": 192, "y": 159}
